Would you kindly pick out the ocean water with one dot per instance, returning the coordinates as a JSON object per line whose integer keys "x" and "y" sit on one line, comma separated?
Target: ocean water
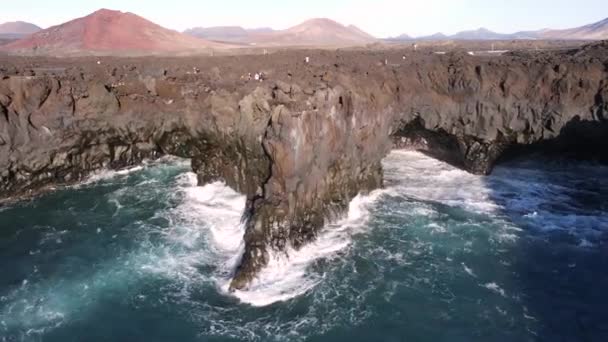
{"x": 438, "y": 255}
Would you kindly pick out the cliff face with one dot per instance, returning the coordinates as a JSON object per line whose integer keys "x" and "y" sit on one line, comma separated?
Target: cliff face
{"x": 478, "y": 111}
{"x": 306, "y": 140}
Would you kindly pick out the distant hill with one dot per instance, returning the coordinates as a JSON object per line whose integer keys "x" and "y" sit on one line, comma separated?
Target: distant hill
{"x": 595, "y": 31}
{"x": 314, "y": 32}
{"x": 400, "y": 38}
{"x": 436, "y": 36}
{"x": 361, "y": 33}
{"x": 479, "y": 34}
{"x": 233, "y": 34}
{"x": 16, "y": 30}
{"x": 107, "y": 32}
{"x": 220, "y": 33}
{"x": 261, "y": 30}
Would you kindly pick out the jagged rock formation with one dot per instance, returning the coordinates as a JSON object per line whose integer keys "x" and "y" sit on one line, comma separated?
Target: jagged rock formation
{"x": 306, "y": 140}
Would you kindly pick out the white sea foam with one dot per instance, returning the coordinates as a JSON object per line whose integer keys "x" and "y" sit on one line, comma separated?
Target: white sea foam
{"x": 468, "y": 270}
{"x": 427, "y": 179}
{"x": 107, "y": 174}
{"x": 528, "y": 195}
{"x": 129, "y": 170}
{"x": 495, "y": 288}
{"x": 204, "y": 242}
{"x": 437, "y": 228}
{"x": 585, "y": 244}
{"x": 212, "y": 214}
{"x": 205, "y": 230}
{"x": 287, "y": 274}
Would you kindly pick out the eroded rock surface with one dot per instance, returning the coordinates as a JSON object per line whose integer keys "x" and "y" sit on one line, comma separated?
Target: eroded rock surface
{"x": 306, "y": 140}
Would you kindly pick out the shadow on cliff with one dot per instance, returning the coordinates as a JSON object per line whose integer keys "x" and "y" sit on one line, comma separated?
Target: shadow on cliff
{"x": 561, "y": 204}
{"x": 578, "y": 140}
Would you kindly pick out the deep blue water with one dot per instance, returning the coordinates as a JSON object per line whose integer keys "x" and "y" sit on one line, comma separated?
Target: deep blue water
{"x": 439, "y": 255}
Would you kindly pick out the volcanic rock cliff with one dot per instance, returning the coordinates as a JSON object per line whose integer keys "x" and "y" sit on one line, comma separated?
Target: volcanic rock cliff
{"x": 305, "y": 140}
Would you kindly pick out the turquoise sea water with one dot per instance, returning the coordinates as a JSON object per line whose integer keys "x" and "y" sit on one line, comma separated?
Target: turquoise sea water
{"x": 439, "y": 255}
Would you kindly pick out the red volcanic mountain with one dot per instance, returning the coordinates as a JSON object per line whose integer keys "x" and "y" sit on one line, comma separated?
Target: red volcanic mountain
{"x": 107, "y": 32}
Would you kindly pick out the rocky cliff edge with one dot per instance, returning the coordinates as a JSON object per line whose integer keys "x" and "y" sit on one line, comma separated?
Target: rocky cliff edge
{"x": 308, "y": 137}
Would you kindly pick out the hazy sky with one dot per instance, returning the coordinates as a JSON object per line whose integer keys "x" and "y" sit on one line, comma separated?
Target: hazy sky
{"x": 379, "y": 17}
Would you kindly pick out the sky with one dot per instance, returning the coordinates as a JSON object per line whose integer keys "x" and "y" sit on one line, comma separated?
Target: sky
{"x": 382, "y": 18}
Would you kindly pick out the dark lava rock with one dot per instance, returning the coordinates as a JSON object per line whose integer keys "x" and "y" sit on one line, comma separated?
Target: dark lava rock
{"x": 309, "y": 137}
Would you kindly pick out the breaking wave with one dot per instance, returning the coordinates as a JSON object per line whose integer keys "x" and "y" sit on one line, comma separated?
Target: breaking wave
{"x": 288, "y": 275}
{"x": 212, "y": 214}
{"x": 437, "y": 245}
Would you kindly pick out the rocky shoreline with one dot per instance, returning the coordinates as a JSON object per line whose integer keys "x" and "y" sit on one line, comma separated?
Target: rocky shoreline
{"x": 309, "y": 137}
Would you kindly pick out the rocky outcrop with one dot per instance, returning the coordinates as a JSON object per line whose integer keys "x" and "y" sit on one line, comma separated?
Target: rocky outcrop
{"x": 477, "y": 112}
{"x": 323, "y": 147}
{"x": 306, "y": 140}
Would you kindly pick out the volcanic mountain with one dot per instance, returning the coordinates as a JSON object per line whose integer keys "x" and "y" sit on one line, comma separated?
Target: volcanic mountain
{"x": 436, "y": 36}
{"x": 316, "y": 32}
{"x": 479, "y": 34}
{"x": 595, "y": 31}
{"x": 400, "y": 38}
{"x": 107, "y": 32}
{"x": 17, "y": 29}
